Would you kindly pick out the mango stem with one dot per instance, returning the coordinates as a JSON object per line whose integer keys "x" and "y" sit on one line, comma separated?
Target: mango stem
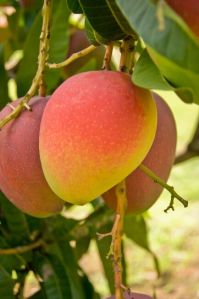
{"x": 169, "y": 188}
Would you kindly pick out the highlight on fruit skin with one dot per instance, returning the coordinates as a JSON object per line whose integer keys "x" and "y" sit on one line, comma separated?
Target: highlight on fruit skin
{"x": 21, "y": 176}
{"x": 142, "y": 192}
{"x": 128, "y": 295}
{"x": 96, "y": 129}
{"x": 188, "y": 11}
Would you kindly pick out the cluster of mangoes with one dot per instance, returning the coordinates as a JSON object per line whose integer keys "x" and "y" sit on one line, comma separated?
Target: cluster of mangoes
{"x": 93, "y": 132}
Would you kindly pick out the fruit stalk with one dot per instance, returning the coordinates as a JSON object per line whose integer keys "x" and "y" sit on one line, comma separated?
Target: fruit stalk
{"x": 117, "y": 238}
{"x": 126, "y": 65}
{"x": 107, "y": 56}
{"x": 72, "y": 58}
{"x": 171, "y": 189}
{"x": 43, "y": 55}
{"x": 22, "y": 249}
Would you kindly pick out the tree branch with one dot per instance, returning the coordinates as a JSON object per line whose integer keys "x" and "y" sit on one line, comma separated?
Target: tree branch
{"x": 22, "y": 249}
{"x": 107, "y": 56}
{"x": 171, "y": 189}
{"x": 72, "y": 58}
{"x": 43, "y": 54}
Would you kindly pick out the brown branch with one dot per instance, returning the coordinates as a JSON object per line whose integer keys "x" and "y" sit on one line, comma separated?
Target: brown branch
{"x": 107, "y": 56}
{"x": 22, "y": 249}
{"x": 117, "y": 238}
{"x": 127, "y": 55}
{"x": 72, "y": 58}
{"x": 43, "y": 53}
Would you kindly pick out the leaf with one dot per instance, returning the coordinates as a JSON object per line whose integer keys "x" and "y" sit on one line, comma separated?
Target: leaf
{"x": 26, "y": 73}
{"x": 82, "y": 246}
{"x": 101, "y": 19}
{"x": 3, "y": 80}
{"x": 55, "y": 279}
{"x": 6, "y": 284}
{"x": 119, "y": 17}
{"x": 64, "y": 252}
{"x": 38, "y": 295}
{"x": 93, "y": 36}
{"x": 147, "y": 75}
{"x": 103, "y": 249}
{"x": 88, "y": 288}
{"x": 16, "y": 222}
{"x": 74, "y": 6}
{"x": 173, "y": 49}
{"x": 185, "y": 81}
{"x": 58, "y": 41}
{"x": 58, "y": 48}
{"x": 135, "y": 229}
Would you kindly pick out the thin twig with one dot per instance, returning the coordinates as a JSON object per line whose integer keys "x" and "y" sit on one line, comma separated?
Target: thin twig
{"x": 171, "y": 189}
{"x": 43, "y": 54}
{"x": 127, "y": 55}
{"x": 72, "y": 58}
{"x": 22, "y": 249}
{"x": 117, "y": 239}
{"x": 107, "y": 57}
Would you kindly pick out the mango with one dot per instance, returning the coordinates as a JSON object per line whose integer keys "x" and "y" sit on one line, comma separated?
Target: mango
{"x": 96, "y": 129}
{"x": 21, "y": 176}
{"x": 142, "y": 191}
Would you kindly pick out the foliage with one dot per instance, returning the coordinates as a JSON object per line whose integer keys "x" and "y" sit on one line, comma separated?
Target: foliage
{"x": 55, "y": 261}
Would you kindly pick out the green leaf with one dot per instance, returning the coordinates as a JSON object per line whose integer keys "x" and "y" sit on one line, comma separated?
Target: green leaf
{"x": 147, "y": 75}
{"x": 58, "y": 41}
{"x": 3, "y": 80}
{"x": 82, "y": 246}
{"x": 174, "y": 49}
{"x": 26, "y": 73}
{"x": 135, "y": 229}
{"x": 88, "y": 288}
{"x": 185, "y": 81}
{"x": 6, "y": 284}
{"x": 65, "y": 254}
{"x": 121, "y": 20}
{"x": 74, "y": 6}
{"x": 39, "y": 295}
{"x": 15, "y": 222}
{"x": 103, "y": 249}
{"x": 58, "y": 48}
{"x": 55, "y": 279}
{"x": 101, "y": 19}
{"x": 94, "y": 38}
{"x": 172, "y": 42}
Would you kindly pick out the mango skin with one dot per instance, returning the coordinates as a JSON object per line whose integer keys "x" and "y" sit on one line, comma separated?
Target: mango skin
{"x": 21, "y": 176}
{"x": 142, "y": 191}
{"x": 133, "y": 296}
{"x": 97, "y": 128}
{"x": 187, "y": 10}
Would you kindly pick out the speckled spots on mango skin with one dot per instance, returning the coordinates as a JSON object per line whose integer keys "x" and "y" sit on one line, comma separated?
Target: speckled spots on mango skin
{"x": 96, "y": 128}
